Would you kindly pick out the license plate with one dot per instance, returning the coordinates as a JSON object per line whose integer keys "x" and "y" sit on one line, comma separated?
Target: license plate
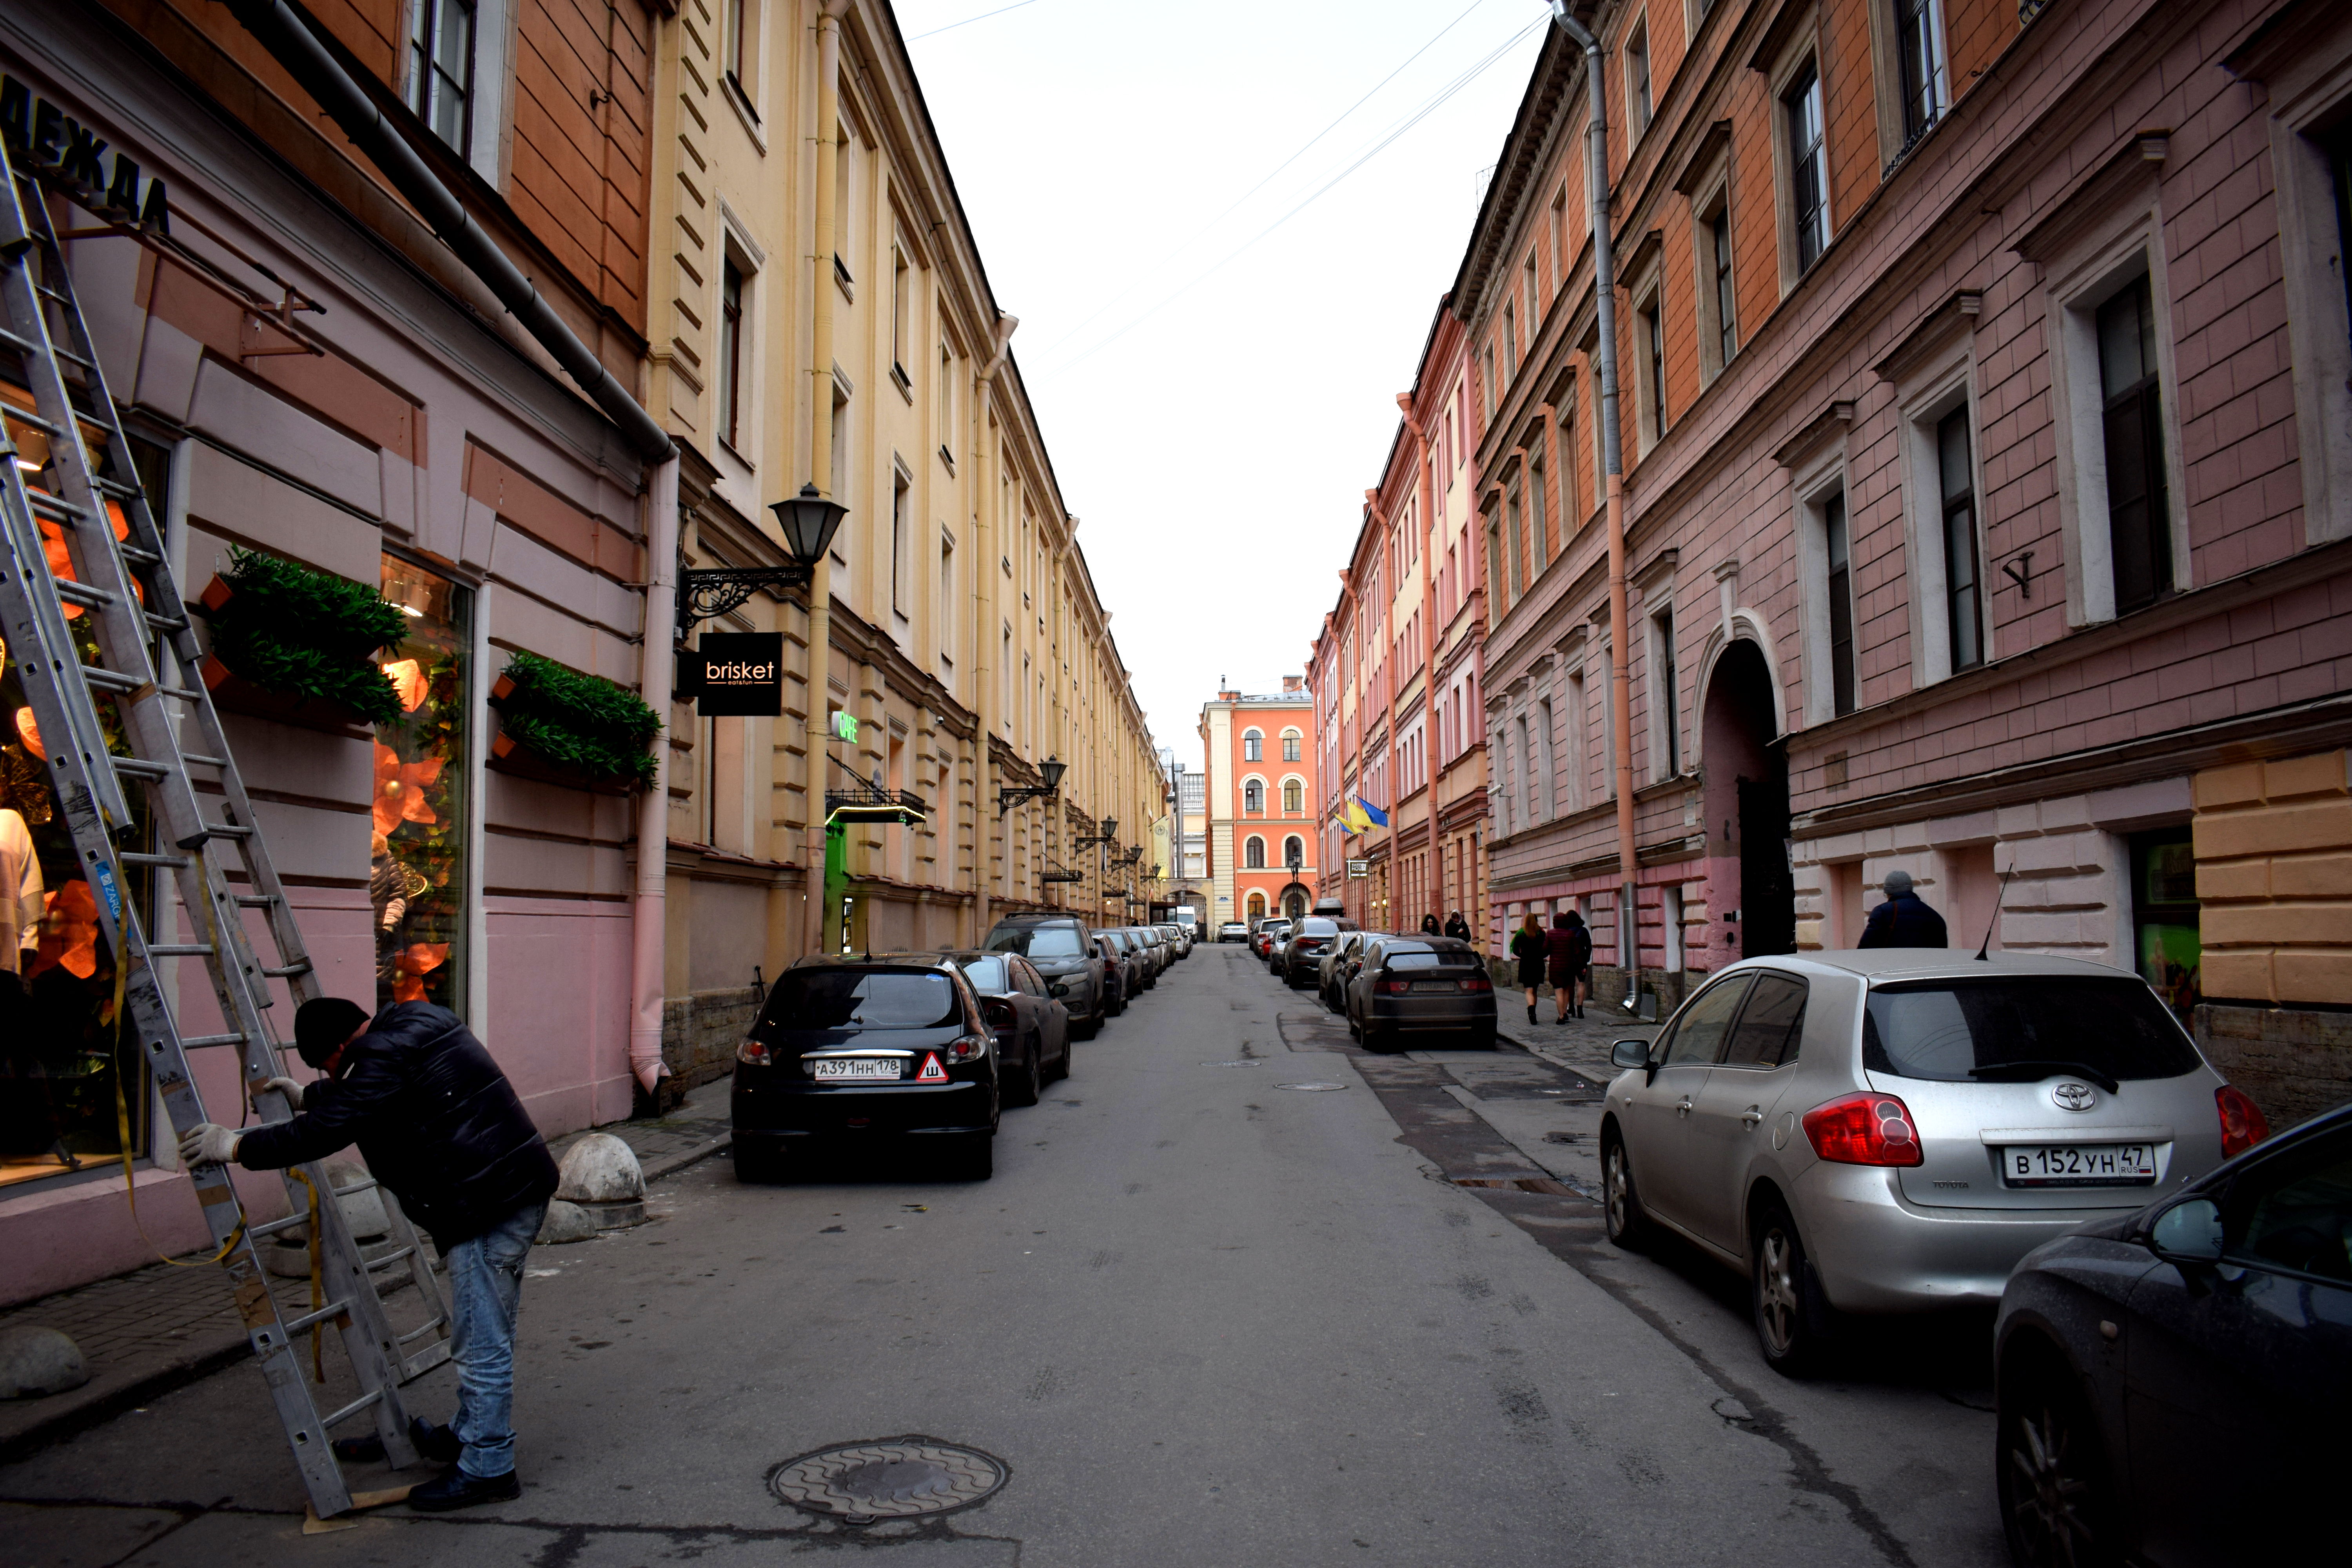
{"x": 863, "y": 1068}
{"x": 1419, "y": 985}
{"x": 2079, "y": 1166}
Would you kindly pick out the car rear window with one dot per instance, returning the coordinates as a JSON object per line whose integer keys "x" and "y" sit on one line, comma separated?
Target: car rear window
{"x": 1416, "y": 958}
{"x": 985, "y": 973}
{"x": 862, "y": 999}
{"x": 1318, "y": 928}
{"x": 1036, "y": 942}
{"x": 1956, "y": 1030}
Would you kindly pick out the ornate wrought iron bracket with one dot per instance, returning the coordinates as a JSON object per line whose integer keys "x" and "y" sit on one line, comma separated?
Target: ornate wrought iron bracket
{"x": 1053, "y": 873}
{"x": 705, "y": 594}
{"x": 870, "y": 803}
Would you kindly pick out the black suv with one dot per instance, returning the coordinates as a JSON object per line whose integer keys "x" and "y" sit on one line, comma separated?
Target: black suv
{"x": 1062, "y": 949}
{"x": 848, "y": 1049}
{"x": 1300, "y": 954}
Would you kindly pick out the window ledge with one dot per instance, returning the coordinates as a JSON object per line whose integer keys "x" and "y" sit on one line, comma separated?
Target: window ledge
{"x": 741, "y": 102}
{"x": 904, "y": 382}
{"x": 948, "y": 457}
{"x": 844, "y": 282}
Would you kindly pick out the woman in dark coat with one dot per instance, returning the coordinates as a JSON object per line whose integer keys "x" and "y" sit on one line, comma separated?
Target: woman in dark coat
{"x": 1567, "y": 954}
{"x": 1457, "y": 927}
{"x": 1528, "y": 947}
{"x": 1428, "y": 926}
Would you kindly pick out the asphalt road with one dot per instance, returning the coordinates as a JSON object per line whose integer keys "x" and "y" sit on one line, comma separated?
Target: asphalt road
{"x": 1202, "y": 1315}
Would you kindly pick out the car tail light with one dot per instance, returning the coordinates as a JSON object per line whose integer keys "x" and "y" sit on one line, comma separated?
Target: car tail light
{"x": 998, "y": 1012}
{"x": 1476, "y": 983}
{"x": 754, "y": 1052}
{"x": 970, "y": 1048}
{"x": 2243, "y": 1122}
{"x": 1863, "y": 1130}
{"x": 1394, "y": 987}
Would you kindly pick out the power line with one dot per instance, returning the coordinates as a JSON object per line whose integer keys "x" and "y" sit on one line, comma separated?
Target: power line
{"x": 1419, "y": 114}
{"x": 968, "y": 21}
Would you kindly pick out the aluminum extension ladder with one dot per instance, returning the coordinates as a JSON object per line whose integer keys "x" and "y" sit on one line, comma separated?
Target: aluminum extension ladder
{"x": 203, "y": 820}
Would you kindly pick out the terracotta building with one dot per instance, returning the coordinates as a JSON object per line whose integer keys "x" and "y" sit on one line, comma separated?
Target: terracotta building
{"x": 1260, "y": 803}
{"x": 1986, "y": 429}
{"x": 1396, "y": 668}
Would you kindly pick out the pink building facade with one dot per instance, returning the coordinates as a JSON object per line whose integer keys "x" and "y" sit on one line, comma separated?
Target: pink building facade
{"x": 1987, "y": 458}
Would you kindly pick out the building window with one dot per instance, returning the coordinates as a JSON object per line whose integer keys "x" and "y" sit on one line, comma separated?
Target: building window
{"x": 1254, "y": 798}
{"x": 1962, "y": 604}
{"x": 1727, "y": 332}
{"x": 1841, "y": 597}
{"x": 1253, "y": 747}
{"x": 1808, "y": 206}
{"x": 1290, "y": 745}
{"x": 1919, "y": 40}
{"x": 1637, "y": 78}
{"x": 1653, "y": 330}
{"x": 441, "y": 67}
{"x": 1539, "y": 547}
{"x": 730, "y": 349}
{"x": 1668, "y": 728}
{"x": 2140, "y": 522}
{"x": 1294, "y": 851}
{"x": 946, "y": 618}
{"x": 1510, "y": 339}
{"x": 901, "y": 306}
{"x": 1254, "y": 855}
{"x": 418, "y": 863}
{"x": 1294, "y": 795}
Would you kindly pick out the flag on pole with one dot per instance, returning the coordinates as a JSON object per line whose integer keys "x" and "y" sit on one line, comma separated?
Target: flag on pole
{"x": 1371, "y": 814}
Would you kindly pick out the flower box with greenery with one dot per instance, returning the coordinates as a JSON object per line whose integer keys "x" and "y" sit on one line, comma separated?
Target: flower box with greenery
{"x": 297, "y": 644}
{"x": 560, "y": 726}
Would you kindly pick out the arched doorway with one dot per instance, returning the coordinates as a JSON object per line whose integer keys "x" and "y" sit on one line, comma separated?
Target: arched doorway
{"x": 1295, "y": 901}
{"x": 1747, "y": 770}
{"x": 1257, "y": 906}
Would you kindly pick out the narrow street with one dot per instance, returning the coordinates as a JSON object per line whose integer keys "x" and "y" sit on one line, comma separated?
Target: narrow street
{"x": 1223, "y": 1302}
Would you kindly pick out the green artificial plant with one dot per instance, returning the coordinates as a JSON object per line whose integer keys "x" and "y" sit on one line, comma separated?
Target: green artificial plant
{"x": 300, "y": 632}
{"x": 584, "y": 723}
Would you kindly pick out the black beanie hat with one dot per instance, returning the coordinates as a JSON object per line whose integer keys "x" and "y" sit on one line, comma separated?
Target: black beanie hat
{"x": 323, "y": 1023}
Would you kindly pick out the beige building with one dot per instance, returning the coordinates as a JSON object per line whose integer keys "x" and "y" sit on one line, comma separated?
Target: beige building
{"x": 959, "y": 625}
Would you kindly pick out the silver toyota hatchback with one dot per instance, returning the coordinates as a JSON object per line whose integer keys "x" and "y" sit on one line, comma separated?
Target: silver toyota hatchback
{"x": 1891, "y": 1131}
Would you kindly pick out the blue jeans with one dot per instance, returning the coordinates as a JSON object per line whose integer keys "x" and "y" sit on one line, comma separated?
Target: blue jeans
{"x": 485, "y": 1289}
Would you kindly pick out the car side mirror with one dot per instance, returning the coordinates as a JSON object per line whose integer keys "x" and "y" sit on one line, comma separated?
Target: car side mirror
{"x": 2188, "y": 1232}
{"x": 1630, "y": 1054}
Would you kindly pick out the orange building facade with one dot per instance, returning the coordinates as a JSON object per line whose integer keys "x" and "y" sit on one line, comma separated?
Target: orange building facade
{"x": 1265, "y": 856}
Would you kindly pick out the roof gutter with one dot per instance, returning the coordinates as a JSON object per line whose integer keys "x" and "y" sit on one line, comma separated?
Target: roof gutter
{"x": 292, "y": 44}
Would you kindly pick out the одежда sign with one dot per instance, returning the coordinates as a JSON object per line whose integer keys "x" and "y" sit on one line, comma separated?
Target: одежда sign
{"x": 739, "y": 673}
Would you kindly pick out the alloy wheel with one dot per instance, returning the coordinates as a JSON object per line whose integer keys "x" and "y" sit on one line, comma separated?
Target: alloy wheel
{"x": 1777, "y": 1303}
{"x": 2051, "y": 1491}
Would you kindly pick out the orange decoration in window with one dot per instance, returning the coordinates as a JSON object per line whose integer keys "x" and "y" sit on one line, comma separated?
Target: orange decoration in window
{"x": 30, "y": 733}
{"x": 407, "y": 682}
{"x": 69, "y": 932}
{"x": 400, "y": 789}
{"x": 53, "y": 547}
{"x": 413, "y": 965}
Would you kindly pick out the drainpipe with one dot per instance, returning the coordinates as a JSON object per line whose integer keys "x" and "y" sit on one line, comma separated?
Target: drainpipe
{"x": 983, "y": 663}
{"x": 819, "y": 589}
{"x": 293, "y": 46}
{"x": 1613, "y": 465}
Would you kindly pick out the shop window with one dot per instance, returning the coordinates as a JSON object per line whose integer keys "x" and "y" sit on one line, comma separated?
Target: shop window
{"x": 2166, "y": 939}
{"x": 418, "y": 883}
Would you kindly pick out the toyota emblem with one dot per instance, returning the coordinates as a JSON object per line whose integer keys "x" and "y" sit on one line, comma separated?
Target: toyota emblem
{"x": 2072, "y": 1096}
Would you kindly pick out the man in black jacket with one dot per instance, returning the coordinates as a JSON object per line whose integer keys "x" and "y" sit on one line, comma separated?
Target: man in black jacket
{"x": 440, "y": 1126}
{"x": 1903, "y": 920}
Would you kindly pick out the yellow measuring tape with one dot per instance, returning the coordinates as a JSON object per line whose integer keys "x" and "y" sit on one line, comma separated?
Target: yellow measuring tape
{"x": 122, "y": 1142}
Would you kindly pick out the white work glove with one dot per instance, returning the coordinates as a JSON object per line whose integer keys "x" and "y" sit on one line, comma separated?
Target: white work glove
{"x": 287, "y": 1087}
{"x": 205, "y": 1144}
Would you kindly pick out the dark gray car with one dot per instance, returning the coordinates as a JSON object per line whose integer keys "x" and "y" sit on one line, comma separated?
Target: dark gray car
{"x": 1137, "y": 964}
{"x": 1060, "y": 947}
{"x": 1421, "y": 986}
{"x": 1030, "y": 1015}
{"x": 1302, "y": 951}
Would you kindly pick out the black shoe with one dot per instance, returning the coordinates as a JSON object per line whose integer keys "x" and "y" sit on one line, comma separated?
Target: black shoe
{"x": 434, "y": 1444}
{"x": 453, "y": 1489}
{"x": 1531, "y": 1015}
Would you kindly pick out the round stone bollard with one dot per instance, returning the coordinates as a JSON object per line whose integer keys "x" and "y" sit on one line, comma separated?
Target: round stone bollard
{"x": 600, "y": 1174}
{"x": 566, "y": 1222}
{"x": 36, "y": 1360}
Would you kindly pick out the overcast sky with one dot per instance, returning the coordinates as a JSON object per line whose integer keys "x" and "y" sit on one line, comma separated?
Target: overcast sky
{"x": 1214, "y": 427}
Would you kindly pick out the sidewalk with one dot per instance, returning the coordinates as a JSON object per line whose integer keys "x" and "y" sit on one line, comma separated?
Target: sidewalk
{"x": 1581, "y": 1045}
{"x": 159, "y": 1328}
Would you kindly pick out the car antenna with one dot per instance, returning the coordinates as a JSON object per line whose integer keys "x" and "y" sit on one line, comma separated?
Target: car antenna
{"x": 1985, "y": 946}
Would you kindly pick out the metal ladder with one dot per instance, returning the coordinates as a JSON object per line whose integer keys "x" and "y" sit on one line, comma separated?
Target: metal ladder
{"x": 126, "y": 592}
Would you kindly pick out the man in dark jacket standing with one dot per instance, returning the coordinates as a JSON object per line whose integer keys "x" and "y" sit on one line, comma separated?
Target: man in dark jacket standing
{"x": 439, "y": 1125}
{"x": 1903, "y": 920}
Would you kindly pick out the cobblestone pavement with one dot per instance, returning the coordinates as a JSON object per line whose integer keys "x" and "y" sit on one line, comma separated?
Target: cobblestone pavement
{"x": 157, "y": 1327}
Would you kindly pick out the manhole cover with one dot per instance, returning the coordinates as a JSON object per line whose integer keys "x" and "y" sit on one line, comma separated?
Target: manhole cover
{"x": 1311, "y": 1085}
{"x": 891, "y": 1477}
{"x": 1257, "y": 1062}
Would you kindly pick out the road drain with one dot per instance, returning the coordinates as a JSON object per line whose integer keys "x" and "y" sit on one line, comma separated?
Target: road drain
{"x": 1524, "y": 1184}
{"x": 1312, "y": 1087}
{"x": 890, "y": 1477}
{"x": 1254, "y": 1062}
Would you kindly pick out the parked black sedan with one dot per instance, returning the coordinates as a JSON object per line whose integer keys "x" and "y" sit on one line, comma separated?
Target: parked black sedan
{"x": 1118, "y": 974}
{"x": 1302, "y": 951}
{"x": 849, "y": 1050}
{"x": 1030, "y": 1015}
{"x": 1420, "y": 984}
{"x": 2172, "y": 1387}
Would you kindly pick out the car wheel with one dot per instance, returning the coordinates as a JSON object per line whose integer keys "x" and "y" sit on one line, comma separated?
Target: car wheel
{"x": 1087, "y": 1029}
{"x": 1061, "y": 1068}
{"x": 1354, "y": 1031}
{"x": 759, "y": 1165}
{"x": 1620, "y": 1206}
{"x": 1028, "y": 1083}
{"x": 2050, "y": 1473}
{"x": 1482, "y": 1037}
{"x": 1785, "y": 1300}
{"x": 971, "y": 1157}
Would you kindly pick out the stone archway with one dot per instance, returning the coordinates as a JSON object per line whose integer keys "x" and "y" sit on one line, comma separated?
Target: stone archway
{"x": 1296, "y": 900}
{"x": 1745, "y": 766}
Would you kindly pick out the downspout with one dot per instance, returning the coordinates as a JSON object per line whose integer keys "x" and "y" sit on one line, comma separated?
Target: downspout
{"x": 819, "y": 589}
{"x": 984, "y": 664}
{"x": 1429, "y": 739}
{"x": 293, "y": 46}
{"x": 1613, "y": 467}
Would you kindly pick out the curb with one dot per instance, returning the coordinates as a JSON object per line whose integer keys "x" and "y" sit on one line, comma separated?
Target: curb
{"x": 225, "y": 1350}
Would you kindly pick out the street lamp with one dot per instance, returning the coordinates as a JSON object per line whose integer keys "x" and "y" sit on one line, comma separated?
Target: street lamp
{"x": 1051, "y": 770}
{"x": 808, "y": 522}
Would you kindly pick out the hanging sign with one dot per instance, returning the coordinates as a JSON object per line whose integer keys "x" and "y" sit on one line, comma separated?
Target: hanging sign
{"x": 1360, "y": 869}
{"x": 739, "y": 673}
{"x": 845, "y": 726}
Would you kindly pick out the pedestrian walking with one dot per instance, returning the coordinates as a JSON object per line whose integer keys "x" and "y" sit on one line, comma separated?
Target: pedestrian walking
{"x": 1457, "y": 927}
{"x": 1527, "y": 946}
{"x": 1428, "y": 926}
{"x": 440, "y": 1127}
{"x": 1903, "y": 920}
{"x": 1568, "y": 953}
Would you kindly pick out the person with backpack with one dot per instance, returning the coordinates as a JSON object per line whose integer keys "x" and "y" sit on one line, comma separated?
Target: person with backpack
{"x": 1568, "y": 950}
